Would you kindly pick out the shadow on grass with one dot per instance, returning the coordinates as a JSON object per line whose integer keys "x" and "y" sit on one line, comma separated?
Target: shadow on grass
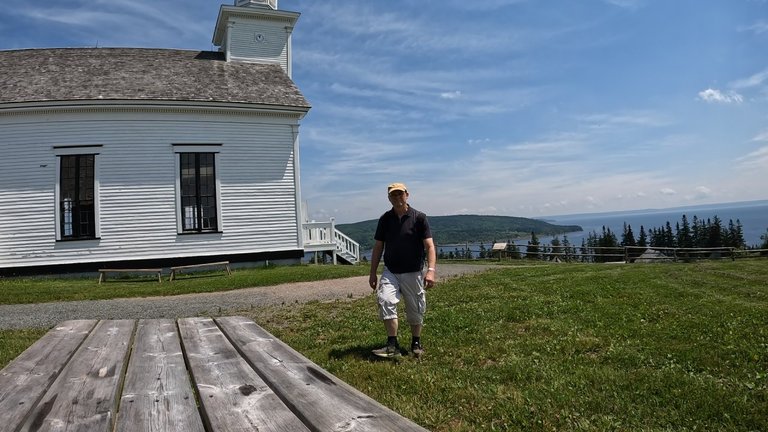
{"x": 362, "y": 352}
{"x": 191, "y": 276}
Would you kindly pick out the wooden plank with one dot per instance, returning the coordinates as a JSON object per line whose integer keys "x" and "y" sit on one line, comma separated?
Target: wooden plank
{"x": 232, "y": 396}
{"x": 84, "y": 396}
{"x": 157, "y": 393}
{"x": 321, "y": 400}
{"x": 24, "y": 381}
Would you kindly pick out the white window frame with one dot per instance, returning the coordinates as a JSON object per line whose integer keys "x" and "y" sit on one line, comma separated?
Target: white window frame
{"x": 94, "y": 150}
{"x": 197, "y": 148}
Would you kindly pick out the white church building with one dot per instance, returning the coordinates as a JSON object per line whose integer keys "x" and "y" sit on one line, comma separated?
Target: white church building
{"x": 132, "y": 157}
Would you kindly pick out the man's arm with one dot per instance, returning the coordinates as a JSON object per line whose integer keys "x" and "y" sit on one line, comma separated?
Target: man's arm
{"x": 430, "y": 276}
{"x": 378, "y": 248}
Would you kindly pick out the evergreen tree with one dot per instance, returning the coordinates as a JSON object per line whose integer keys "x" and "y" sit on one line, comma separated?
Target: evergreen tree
{"x": 512, "y": 250}
{"x": 642, "y": 239}
{"x": 696, "y": 232}
{"x": 567, "y": 249}
{"x": 532, "y": 251}
{"x": 608, "y": 244}
{"x": 764, "y": 238}
{"x": 715, "y": 233}
{"x": 684, "y": 235}
{"x": 734, "y": 235}
{"x": 556, "y": 248}
{"x": 628, "y": 237}
{"x": 669, "y": 238}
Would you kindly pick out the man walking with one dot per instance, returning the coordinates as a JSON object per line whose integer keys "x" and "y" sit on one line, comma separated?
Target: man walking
{"x": 405, "y": 239}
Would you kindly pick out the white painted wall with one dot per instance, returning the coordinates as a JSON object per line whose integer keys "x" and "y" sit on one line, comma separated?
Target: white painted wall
{"x": 271, "y": 46}
{"x": 136, "y": 175}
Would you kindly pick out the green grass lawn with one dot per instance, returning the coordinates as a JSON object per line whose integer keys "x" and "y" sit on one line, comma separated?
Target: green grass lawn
{"x": 656, "y": 347}
{"x": 564, "y": 347}
{"x": 41, "y": 290}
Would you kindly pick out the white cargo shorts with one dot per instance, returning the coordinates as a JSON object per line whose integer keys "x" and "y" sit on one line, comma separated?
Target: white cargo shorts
{"x": 406, "y": 286}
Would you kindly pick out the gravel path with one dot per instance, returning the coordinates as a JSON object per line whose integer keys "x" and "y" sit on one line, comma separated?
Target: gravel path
{"x": 206, "y": 304}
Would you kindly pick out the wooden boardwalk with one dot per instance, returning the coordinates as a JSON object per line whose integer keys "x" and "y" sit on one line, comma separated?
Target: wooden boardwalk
{"x": 193, "y": 374}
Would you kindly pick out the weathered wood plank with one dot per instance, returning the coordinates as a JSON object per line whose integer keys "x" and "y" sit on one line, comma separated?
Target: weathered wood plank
{"x": 232, "y": 395}
{"x": 84, "y": 396}
{"x": 157, "y": 394}
{"x": 322, "y": 401}
{"x": 24, "y": 381}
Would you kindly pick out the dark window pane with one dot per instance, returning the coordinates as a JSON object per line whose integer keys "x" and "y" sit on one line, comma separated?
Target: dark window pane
{"x": 198, "y": 192}
{"x": 76, "y": 190}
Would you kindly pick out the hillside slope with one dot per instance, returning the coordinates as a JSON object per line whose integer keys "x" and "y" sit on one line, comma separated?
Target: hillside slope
{"x": 466, "y": 228}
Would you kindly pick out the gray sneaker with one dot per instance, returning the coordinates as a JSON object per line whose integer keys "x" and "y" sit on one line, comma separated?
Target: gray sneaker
{"x": 417, "y": 350}
{"x": 388, "y": 351}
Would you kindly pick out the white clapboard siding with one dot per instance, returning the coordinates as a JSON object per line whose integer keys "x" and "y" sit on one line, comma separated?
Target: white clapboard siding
{"x": 271, "y": 46}
{"x": 136, "y": 175}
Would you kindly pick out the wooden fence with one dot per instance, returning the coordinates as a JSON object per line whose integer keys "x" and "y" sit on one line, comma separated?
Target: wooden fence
{"x": 626, "y": 254}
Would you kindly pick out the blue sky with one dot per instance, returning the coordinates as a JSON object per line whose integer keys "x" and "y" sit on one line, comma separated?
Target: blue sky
{"x": 509, "y": 107}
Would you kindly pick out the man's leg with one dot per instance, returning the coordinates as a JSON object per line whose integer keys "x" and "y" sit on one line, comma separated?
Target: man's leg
{"x": 388, "y": 298}
{"x": 412, "y": 288}
{"x": 391, "y": 326}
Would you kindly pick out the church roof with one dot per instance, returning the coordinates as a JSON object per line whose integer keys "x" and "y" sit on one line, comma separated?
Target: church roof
{"x": 83, "y": 74}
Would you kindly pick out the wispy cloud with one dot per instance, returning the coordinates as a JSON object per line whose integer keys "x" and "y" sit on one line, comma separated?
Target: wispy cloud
{"x": 626, "y": 4}
{"x": 752, "y": 81}
{"x": 623, "y": 119}
{"x": 757, "y": 28}
{"x": 756, "y": 160}
{"x": 115, "y": 23}
{"x": 761, "y": 137}
{"x": 717, "y": 96}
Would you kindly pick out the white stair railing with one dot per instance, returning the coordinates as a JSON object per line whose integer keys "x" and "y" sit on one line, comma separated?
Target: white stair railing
{"x": 323, "y": 236}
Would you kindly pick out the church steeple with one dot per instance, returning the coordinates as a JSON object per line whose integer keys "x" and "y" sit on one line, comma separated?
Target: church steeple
{"x": 255, "y": 31}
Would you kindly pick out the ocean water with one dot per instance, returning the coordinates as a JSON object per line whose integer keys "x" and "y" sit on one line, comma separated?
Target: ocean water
{"x": 753, "y": 218}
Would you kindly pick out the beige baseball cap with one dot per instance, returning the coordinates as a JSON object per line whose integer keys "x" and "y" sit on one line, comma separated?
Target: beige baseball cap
{"x": 396, "y": 187}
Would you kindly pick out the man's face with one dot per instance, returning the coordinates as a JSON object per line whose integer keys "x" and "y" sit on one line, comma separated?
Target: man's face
{"x": 398, "y": 198}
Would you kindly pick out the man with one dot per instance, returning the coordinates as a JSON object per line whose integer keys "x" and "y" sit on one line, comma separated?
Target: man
{"x": 404, "y": 237}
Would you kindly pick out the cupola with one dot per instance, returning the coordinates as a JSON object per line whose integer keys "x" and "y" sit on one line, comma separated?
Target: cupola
{"x": 255, "y": 31}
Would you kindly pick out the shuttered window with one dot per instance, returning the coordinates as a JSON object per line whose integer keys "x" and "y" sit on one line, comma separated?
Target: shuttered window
{"x": 198, "y": 192}
{"x": 77, "y": 217}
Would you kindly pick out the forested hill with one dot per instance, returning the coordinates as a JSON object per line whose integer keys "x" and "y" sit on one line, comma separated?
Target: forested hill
{"x": 466, "y": 228}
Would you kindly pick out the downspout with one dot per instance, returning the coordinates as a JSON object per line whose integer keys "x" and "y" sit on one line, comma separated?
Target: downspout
{"x": 297, "y": 186}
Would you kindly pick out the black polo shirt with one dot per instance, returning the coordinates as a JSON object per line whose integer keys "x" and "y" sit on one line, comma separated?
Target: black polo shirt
{"x": 403, "y": 240}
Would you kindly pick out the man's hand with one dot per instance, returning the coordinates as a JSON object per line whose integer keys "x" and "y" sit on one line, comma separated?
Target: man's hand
{"x": 372, "y": 280}
{"x": 429, "y": 279}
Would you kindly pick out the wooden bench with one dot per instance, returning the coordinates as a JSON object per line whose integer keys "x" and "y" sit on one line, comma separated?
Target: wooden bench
{"x": 231, "y": 374}
{"x": 179, "y": 269}
{"x": 103, "y": 272}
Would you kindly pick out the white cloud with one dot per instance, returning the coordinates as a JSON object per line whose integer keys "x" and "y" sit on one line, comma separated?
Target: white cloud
{"x": 716, "y": 96}
{"x": 702, "y": 192}
{"x": 451, "y": 95}
{"x": 668, "y": 191}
